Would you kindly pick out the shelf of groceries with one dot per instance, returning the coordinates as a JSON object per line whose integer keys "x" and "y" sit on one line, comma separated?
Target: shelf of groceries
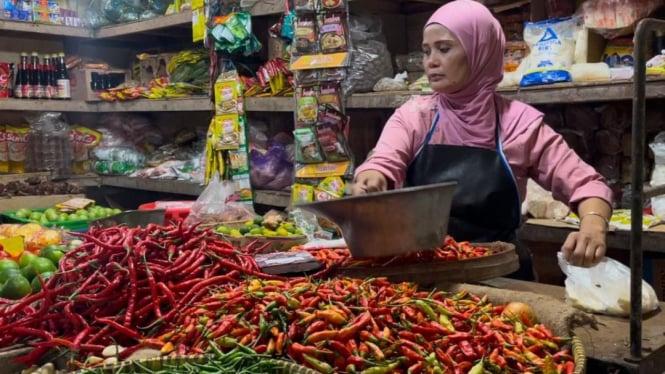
{"x": 549, "y": 94}
{"x": 264, "y": 197}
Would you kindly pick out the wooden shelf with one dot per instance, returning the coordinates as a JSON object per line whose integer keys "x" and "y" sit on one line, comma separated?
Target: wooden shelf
{"x": 41, "y": 28}
{"x": 172, "y": 20}
{"x": 190, "y": 104}
{"x": 46, "y": 105}
{"x": 271, "y": 198}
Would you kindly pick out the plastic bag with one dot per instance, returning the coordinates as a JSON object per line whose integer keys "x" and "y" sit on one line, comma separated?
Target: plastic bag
{"x": 603, "y": 288}
{"x": 271, "y": 169}
{"x": 658, "y": 174}
{"x": 215, "y": 205}
{"x": 612, "y": 18}
{"x": 552, "y": 46}
{"x": 370, "y": 58}
{"x": 48, "y": 147}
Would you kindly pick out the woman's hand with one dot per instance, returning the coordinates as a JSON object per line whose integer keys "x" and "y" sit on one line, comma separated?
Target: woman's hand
{"x": 587, "y": 246}
{"x": 369, "y": 181}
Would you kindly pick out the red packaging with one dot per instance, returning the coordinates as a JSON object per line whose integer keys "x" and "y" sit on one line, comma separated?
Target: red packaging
{"x": 5, "y": 79}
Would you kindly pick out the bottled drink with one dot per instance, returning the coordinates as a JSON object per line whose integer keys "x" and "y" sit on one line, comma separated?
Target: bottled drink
{"x": 22, "y": 87}
{"x": 62, "y": 78}
{"x": 38, "y": 89}
{"x": 48, "y": 78}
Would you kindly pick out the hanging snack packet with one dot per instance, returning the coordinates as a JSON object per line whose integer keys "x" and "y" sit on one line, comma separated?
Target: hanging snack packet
{"x": 304, "y": 6}
{"x": 333, "y": 185}
{"x": 306, "y": 35}
{"x": 329, "y": 115}
{"x": 332, "y": 33}
{"x": 307, "y": 148}
{"x": 306, "y": 106}
{"x": 307, "y": 77}
{"x": 332, "y": 5}
{"x": 227, "y": 98}
{"x": 322, "y": 195}
{"x": 333, "y": 74}
{"x": 332, "y": 141}
{"x": 302, "y": 193}
{"x": 82, "y": 140}
{"x": 4, "y": 150}
{"x": 330, "y": 94}
{"x": 226, "y": 133}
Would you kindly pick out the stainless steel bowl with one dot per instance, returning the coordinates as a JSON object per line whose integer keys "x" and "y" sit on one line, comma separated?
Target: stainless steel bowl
{"x": 392, "y": 222}
{"x": 132, "y": 218}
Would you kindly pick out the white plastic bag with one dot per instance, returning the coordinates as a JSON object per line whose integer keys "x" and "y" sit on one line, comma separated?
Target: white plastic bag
{"x": 603, "y": 288}
{"x": 658, "y": 174}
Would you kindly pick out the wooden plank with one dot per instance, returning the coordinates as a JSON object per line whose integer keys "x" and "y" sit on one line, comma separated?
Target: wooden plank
{"x": 269, "y": 104}
{"x": 267, "y": 7}
{"x": 280, "y": 199}
{"x": 33, "y": 202}
{"x": 40, "y": 28}
{"x": 137, "y": 27}
{"x": 6, "y": 178}
{"x": 190, "y": 104}
{"x": 651, "y": 241}
{"x": 45, "y": 105}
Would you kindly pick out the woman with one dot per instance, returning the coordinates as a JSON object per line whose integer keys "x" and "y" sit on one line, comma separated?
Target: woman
{"x": 489, "y": 145}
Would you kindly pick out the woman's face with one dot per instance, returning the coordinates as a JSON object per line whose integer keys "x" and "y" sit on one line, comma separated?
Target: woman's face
{"x": 444, "y": 60}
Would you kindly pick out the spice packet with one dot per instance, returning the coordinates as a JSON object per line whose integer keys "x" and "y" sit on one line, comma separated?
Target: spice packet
{"x": 337, "y": 5}
{"x": 333, "y": 74}
{"x": 74, "y": 204}
{"x": 332, "y": 142}
{"x": 333, "y": 185}
{"x": 306, "y": 106}
{"x": 330, "y": 93}
{"x": 307, "y": 148}
{"x": 302, "y": 193}
{"x": 306, "y": 41}
{"x": 332, "y": 33}
{"x": 227, "y": 99}
{"x": 307, "y": 77}
{"x": 82, "y": 140}
{"x": 322, "y": 195}
{"x": 304, "y": 6}
{"x": 330, "y": 115}
{"x": 226, "y": 132}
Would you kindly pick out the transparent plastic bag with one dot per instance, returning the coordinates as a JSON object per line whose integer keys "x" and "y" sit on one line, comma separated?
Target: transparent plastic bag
{"x": 658, "y": 173}
{"x": 215, "y": 205}
{"x": 49, "y": 148}
{"x": 370, "y": 58}
{"x": 603, "y": 288}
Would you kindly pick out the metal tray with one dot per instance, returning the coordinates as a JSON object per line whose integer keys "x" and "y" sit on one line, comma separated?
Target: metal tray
{"x": 392, "y": 222}
{"x": 132, "y": 218}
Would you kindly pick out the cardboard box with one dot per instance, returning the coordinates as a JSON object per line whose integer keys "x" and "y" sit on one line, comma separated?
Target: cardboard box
{"x": 81, "y": 81}
{"x": 8, "y": 204}
{"x": 153, "y": 66}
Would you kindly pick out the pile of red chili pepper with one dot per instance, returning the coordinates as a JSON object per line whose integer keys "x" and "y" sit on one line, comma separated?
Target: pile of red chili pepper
{"x": 451, "y": 250}
{"x": 367, "y": 326}
{"x": 120, "y": 286}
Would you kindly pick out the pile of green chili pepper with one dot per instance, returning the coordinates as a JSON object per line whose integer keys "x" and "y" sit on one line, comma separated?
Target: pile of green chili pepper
{"x": 367, "y": 326}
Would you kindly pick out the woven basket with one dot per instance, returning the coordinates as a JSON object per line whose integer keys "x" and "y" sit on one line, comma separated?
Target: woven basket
{"x": 154, "y": 364}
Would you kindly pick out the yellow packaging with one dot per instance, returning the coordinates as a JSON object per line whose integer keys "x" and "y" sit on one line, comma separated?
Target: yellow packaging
{"x": 226, "y": 132}
{"x": 4, "y": 150}
{"x": 17, "y": 143}
{"x": 198, "y": 24}
{"x": 619, "y": 53}
{"x": 302, "y": 193}
{"x": 74, "y": 204}
{"x": 227, "y": 98}
{"x": 333, "y": 185}
{"x": 82, "y": 140}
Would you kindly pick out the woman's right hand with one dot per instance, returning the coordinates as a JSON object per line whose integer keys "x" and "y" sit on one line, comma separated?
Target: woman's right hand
{"x": 369, "y": 181}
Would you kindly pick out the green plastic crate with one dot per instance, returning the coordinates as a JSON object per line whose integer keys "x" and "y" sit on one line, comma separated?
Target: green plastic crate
{"x": 79, "y": 225}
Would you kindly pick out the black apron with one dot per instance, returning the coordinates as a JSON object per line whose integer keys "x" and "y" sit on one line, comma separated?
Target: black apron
{"x": 486, "y": 203}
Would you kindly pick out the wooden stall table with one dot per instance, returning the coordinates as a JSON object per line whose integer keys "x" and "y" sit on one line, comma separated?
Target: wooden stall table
{"x": 607, "y": 344}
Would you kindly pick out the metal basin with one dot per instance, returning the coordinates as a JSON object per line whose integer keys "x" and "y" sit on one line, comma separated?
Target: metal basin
{"x": 392, "y": 222}
{"x": 133, "y": 218}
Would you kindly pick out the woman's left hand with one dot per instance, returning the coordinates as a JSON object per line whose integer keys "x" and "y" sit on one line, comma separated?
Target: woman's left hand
{"x": 587, "y": 247}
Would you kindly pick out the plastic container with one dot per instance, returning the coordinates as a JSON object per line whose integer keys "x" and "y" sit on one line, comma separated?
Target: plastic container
{"x": 78, "y": 225}
{"x": 175, "y": 210}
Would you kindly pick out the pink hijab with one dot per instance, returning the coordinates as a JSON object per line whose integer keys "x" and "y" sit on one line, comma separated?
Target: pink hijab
{"x": 468, "y": 117}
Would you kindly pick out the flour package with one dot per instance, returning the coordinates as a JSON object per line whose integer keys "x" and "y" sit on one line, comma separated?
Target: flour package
{"x": 552, "y": 51}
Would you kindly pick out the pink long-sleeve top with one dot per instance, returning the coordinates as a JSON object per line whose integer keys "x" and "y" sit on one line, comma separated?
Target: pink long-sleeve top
{"x": 533, "y": 151}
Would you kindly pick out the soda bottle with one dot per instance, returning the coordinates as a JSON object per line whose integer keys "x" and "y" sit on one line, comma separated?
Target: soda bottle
{"x": 62, "y": 78}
